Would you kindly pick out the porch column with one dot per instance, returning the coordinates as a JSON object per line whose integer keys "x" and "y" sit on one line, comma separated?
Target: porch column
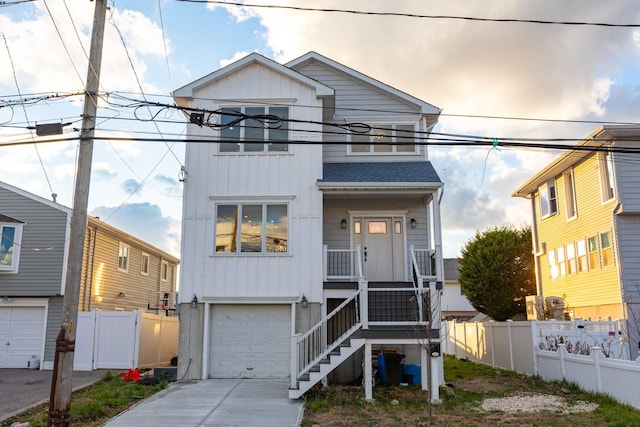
{"x": 368, "y": 372}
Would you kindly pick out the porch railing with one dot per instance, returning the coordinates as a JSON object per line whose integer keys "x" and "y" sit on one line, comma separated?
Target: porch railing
{"x": 425, "y": 279}
{"x": 341, "y": 264}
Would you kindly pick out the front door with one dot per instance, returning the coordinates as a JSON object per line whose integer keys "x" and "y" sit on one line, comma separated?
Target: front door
{"x": 381, "y": 239}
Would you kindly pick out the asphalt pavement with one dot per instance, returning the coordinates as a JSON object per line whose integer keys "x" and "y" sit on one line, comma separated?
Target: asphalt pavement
{"x": 23, "y": 388}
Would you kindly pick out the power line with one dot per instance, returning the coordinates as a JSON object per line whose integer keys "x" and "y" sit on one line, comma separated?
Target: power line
{"x": 414, "y": 15}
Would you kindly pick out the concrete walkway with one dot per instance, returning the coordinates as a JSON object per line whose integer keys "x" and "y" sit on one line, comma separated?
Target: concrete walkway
{"x": 217, "y": 402}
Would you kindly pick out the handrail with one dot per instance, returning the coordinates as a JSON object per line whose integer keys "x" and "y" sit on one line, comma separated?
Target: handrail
{"x": 343, "y": 264}
{"x": 312, "y": 346}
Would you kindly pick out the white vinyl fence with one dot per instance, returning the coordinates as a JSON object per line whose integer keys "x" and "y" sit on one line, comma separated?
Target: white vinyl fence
{"x": 124, "y": 340}
{"x": 593, "y": 355}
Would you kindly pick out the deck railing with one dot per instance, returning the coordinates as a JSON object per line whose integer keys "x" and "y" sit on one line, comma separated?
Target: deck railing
{"x": 341, "y": 264}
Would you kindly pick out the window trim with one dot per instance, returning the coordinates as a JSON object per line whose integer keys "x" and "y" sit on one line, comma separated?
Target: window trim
{"x": 242, "y": 129}
{"x": 164, "y": 271}
{"x": 611, "y": 256}
{"x": 394, "y": 136}
{"x": 546, "y": 200}
{"x": 607, "y": 177}
{"x": 264, "y": 223}
{"x": 570, "y": 201}
{"x": 15, "y": 247}
{"x": 144, "y": 271}
{"x": 124, "y": 252}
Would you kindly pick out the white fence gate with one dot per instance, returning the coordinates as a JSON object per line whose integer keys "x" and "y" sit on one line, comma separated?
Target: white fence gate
{"x": 124, "y": 340}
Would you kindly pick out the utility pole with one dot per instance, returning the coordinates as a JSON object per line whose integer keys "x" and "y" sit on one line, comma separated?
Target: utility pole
{"x": 61, "y": 383}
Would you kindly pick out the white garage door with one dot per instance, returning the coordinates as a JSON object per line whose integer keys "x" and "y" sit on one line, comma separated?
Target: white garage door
{"x": 21, "y": 335}
{"x": 250, "y": 341}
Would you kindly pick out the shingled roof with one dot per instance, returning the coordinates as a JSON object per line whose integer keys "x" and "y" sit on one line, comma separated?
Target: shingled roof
{"x": 401, "y": 172}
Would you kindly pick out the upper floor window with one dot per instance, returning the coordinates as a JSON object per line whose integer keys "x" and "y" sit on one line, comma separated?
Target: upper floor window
{"x": 607, "y": 182}
{"x": 123, "y": 257}
{"x": 261, "y": 131}
{"x": 548, "y": 199}
{"x": 582, "y": 255}
{"x": 10, "y": 239}
{"x": 144, "y": 264}
{"x": 164, "y": 271}
{"x": 385, "y": 139}
{"x": 594, "y": 255}
{"x": 252, "y": 227}
{"x": 570, "y": 195}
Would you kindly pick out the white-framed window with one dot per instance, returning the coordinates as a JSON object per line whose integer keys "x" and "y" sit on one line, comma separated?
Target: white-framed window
{"x": 252, "y": 228}
{"x": 10, "y": 244}
{"x": 570, "y": 195}
{"x": 260, "y": 131}
{"x": 581, "y": 248}
{"x": 553, "y": 266}
{"x": 562, "y": 266}
{"x": 384, "y": 139}
{"x": 570, "y": 250}
{"x": 144, "y": 264}
{"x": 607, "y": 181}
{"x": 123, "y": 257}
{"x": 606, "y": 249}
{"x": 594, "y": 254}
{"x": 164, "y": 271}
{"x": 548, "y": 199}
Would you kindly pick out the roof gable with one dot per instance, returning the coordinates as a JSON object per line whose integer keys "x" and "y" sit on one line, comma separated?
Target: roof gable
{"x": 425, "y": 107}
{"x": 34, "y": 197}
{"x": 188, "y": 90}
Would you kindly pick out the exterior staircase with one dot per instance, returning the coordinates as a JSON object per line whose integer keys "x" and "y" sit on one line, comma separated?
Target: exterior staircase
{"x": 326, "y": 365}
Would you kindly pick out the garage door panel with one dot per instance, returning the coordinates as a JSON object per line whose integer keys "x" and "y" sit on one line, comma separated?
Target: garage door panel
{"x": 22, "y": 335}
{"x": 250, "y": 341}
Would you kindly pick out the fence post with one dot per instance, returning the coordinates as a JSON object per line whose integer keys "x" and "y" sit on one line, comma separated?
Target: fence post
{"x": 597, "y": 355}
{"x": 325, "y": 250}
{"x": 295, "y": 357}
{"x": 493, "y": 352}
{"x": 509, "y": 322}
{"x": 562, "y": 351}
{"x": 534, "y": 333}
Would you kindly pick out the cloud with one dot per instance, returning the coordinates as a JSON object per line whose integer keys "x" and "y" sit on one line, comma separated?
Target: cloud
{"x": 131, "y": 186}
{"x": 144, "y": 221}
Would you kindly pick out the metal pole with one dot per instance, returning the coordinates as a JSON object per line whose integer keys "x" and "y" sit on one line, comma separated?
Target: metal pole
{"x": 61, "y": 382}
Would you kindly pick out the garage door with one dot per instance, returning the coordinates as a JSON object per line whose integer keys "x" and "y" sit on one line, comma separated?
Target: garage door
{"x": 250, "y": 341}
{"x": 21, "y": 335}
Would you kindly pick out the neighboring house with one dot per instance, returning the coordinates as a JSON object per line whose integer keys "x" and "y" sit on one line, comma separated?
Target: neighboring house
{"x": 586, "y": 230}
{"x": 325, "y": 223}
{"x": 454, "y": 305}
{"x": 33, "y": 259}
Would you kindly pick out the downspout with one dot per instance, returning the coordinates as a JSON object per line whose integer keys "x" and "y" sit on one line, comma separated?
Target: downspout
{"x": 89, "y": 266}
{"x": 614, "y": 220}
{"x": 537, "y": 250}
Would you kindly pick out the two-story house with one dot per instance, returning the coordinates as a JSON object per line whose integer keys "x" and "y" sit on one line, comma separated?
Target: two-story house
{"x": 119, "y": 272}
{"x": 311, "y": 222}
{"x": 586, "y": 228}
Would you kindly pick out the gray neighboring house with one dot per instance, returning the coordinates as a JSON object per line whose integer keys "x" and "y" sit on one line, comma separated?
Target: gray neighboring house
{"x": 454, "y": 304}
{"x": 119, "y": 272}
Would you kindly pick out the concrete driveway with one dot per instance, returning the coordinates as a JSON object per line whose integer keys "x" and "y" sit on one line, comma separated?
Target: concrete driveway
{"x": 217, "y": 402}
{"x": 23, "y": 388}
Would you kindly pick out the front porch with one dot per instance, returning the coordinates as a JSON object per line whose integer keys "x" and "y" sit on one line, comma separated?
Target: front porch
{"x": 370, "y": 314}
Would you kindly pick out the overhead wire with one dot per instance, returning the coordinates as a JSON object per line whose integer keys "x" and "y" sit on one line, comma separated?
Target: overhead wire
{"x": 412, "y": 15}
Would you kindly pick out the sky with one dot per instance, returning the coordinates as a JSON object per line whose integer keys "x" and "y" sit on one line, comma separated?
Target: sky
{"x": 491, "y": 79}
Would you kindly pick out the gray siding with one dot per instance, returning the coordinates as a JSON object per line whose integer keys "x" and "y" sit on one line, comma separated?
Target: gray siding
{"x": 358, "y": 102}
{"x": 628, "y": 234}
{"x": 627, "y": 176}
{"x": 54, "y": 322}
{"x": 42, "y": 254}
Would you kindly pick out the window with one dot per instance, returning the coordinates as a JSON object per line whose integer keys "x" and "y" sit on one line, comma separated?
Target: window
{"x": 582, "y": 255}
{"x": 261, "y": 132}
{"x": 553, "y": 267}
{"x": 548, "y": 202}
{"x": 384, "y": 139}
{"x": 571, "y": 259}
{"x": 594, "y": 256}
{"x": 570, "y": 195}
{"x": 377, "y": 227}
{"x": 562, "y": 266}
{"x": 356, "y": 227}
{"x": 252, "y": 228}
{"x": 606, "y": 176}
{"x": 606, "y": 248}
{"x": 164, "y": 271}
{"x": 144, "y": 264}
{"x": 123, "y": 257}
{"x": 10, "y": 239}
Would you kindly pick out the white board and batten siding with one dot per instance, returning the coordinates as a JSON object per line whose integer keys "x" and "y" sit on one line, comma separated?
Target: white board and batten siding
{"x": 287, "y": 177}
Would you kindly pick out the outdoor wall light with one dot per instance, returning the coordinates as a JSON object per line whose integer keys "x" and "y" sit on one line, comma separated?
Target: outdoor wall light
{"x": 194, "y": 301}
{"x": 413, "y": 223}
{"x": 304, "y": 302}
{"x": 343, "y": 224}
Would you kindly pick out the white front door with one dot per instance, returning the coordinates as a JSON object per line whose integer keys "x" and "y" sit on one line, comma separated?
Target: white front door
{"x": 377, "y": 249}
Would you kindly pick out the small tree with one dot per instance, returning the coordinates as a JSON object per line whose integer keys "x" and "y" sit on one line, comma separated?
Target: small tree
{"x": 496, "y": 271}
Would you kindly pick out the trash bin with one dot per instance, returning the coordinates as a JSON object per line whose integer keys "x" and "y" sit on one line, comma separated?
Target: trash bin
{"x": 392, "y": 365}
{"x": 411, "y": 373}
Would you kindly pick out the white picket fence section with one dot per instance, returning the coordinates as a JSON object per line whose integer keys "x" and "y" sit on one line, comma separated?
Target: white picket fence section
{"x": 124, "y": 340}
{"x": 516, "y": 346}
{"x": 596, "y": 372}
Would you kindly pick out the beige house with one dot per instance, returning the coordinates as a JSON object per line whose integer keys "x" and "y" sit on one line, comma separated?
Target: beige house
{"x": 586, "y": 229}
